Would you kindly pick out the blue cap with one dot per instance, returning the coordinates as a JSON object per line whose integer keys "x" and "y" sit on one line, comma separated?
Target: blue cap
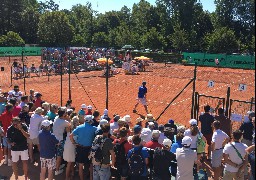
{"x": 171, "y": 121}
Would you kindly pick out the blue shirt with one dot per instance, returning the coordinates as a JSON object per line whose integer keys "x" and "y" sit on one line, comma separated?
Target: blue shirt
{"x": 175, "y": 146}
{"x": 51, "y": 115}
{"x": 85, "y": 134}
{"x": 144, "y": 153}
{"x": 81, "y": 112}
{"x": 142, "y": 91}
{"x": 47, "y": 142}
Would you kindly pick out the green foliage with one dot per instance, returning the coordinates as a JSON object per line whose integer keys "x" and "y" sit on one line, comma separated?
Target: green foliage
{"x": 78, "y": 41}
{"x": 11, "y": 39}
{"x": 180, "y": 38}
{"x": 153, "y": 39}
{"x": 100, "y": 39}
{"x": 55, "y": 30}
{"x": 222, "y": 40}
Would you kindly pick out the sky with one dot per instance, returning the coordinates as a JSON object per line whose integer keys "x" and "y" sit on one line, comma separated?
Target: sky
{"x": 108, "y": 5}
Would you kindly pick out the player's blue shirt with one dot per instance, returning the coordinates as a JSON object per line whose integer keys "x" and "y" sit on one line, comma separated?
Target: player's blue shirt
{"x": 142, "y": 91}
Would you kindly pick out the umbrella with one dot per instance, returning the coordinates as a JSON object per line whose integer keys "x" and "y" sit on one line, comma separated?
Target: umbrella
{"x": 142, "y": 58}
{"x": 127, "y": 47}
{"x": 104, "y": 61}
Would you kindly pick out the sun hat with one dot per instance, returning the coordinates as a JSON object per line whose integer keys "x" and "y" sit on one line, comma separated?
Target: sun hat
{"x": 150, "y": 117}
{"x": 137, "y": 128}
{"x": 167, "y": 143}
{"x": 155, "y": 133}
{"x": 102, "y": 122}
{"x": 146, "y": 132}
{"x": 181, "y": 129}
{"x": 38, "y": 110}
{"x": 89, "y": 107}
{"x": 127, "y": 118}
{"x": 46, "y": 123}
{"x": 83, "y": 106}
{"x": 193, "y": 122}
{"x": 139, "y": 120}
{"x": 186, "y": 141}
{"x": 151, "y": 124}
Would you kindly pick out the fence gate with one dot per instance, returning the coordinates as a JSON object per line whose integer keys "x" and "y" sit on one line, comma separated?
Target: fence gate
{"x": 241, "y": 107}
{"x": 202, "y": 100}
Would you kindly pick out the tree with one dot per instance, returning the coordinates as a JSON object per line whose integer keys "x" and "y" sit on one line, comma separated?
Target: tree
{"x": 180, "y": 38}
{"x": 222, "y": 40}
{"x": 153, "y": 39}
{"x": 100, "y": 39}
{"x": 54, "y": 29}
{"x": 12, "y": 39}
{"x": 48, "y": 6}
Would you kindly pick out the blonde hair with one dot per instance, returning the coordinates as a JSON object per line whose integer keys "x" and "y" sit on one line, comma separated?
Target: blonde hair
{"x": 74, "y": 122}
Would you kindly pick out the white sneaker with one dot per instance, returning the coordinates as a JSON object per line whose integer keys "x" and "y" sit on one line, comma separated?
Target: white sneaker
{"x": 62, "y": 166}
{"x": 9, "y": 162}
{"x": 58, "y": 172}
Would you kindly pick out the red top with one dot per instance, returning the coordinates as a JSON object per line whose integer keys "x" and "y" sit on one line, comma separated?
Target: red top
{"x": 6, "y": 119}
{"x": 16, "y": 111}
{"x": 88, "y": 113}
{"x": 127, "y": 145}
{"x": 153, "y": 144}
{"x": 38, "y": 103}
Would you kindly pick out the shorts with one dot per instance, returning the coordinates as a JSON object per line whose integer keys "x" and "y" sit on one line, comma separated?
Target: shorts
{"x": 208, "y": 138}
{"x": 60, "y": 148}
{"x": 123, "y": 170}
{"x": 216, "y": 158}
{"x": 82, "y": 154}
{"x": 17, "y": 154}
{"x": 34, "y": 141}
{"x": 48, "y": 163}
{"x": 143, "y": 101}
{"x": 5, "y": 143}
{"x": 101, "y": 173}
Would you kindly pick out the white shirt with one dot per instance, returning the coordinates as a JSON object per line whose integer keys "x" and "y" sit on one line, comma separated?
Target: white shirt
{"x": 113, "y": 126}
{"x": 185, "y": 162}
{"x": 218, "y": 137}
{"x": 194, "y": 138}
{"x": 35, "y": 125}
{"x": 58, "y": 128}
{"x": 233, "y": 156}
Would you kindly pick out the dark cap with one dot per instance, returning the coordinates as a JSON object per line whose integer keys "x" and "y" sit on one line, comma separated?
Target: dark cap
{"x": 252, "y": 114}
{"x": 144, "y": 82}
{"x": 137, "y": 128}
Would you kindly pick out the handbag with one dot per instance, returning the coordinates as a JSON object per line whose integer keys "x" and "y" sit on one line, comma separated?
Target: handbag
{"x": 200, "y": 144}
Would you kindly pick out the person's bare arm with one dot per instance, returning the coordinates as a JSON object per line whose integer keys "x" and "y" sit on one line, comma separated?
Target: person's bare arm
{"x": 113, "y": 157}
{"x": 213, "y": 146}
{"x": 26, "y": 134}
{"x": 225, "y": 141}
{"x": 250, "y": 149}
{"x": 71, "y": 136}
{"x": 228, "y": 161}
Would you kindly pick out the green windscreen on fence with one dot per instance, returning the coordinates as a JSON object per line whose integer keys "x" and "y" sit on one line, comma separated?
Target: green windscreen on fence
{"x": 230, "y": 61}
{"x": 17, "y": 51}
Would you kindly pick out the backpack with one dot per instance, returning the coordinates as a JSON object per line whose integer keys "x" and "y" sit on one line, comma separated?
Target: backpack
{"x": 201, "y": 175}
{"x": 120, "y": 153}
{"x": 136, "y": 163}
{"x": 96, "y": 150}
{"x": 158, "y": 157}
{"x": 200, "y": 144}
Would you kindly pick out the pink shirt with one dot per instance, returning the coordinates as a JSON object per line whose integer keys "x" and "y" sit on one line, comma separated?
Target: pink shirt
{"x": 16, "y": 111}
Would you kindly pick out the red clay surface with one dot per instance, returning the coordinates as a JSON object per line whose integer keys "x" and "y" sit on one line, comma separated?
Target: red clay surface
{"x": 163, "y": 84}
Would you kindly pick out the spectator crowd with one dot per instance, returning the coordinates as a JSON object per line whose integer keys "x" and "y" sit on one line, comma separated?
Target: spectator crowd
{"x": 101, "y": 147}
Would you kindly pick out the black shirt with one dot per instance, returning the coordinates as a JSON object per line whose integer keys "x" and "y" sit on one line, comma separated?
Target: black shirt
{"x": 206, "y": 123}
{"x": 247, "y": 129}
{"x": 95, "y": 123}
{"x": 16, "y": 136}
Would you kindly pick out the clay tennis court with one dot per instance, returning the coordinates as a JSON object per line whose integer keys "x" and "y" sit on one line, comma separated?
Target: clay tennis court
{"x": 163, "y": 83}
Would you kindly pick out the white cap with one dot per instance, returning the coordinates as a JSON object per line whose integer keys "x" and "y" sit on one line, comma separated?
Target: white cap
{"x": 146, "y": 132}
{"x": 151, "y": 124}
{"x": 46, "y": 123}
{"x": 88, "y": 118}
{"x": 186, "y": 141}
{"x": 10, "y": 93}
{"x": 83, "y": 106}
{"x": 155, "y": 133}
{"x": 193, "y": 122}
{"x": 89, "y": 107}
{"x": 127, "y": 118}
{"x": 167, "y": 142}
{"x": 103, "y": 121}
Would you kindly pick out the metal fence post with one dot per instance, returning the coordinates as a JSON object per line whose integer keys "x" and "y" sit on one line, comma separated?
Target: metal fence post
{"x": 227, "y": 102}
{"x": 193, "y": 93}
{"x": 24, "y": 76}
{"x": 61, "y": 59}
{"x": 106, "y": 74}
{"x": 69, "y": 78}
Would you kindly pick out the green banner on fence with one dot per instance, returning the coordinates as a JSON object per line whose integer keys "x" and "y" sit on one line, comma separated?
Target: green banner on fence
{"x": 17, "y": 51}
{"x": 230, "y": 61}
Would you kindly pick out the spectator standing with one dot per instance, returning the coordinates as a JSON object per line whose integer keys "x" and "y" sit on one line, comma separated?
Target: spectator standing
{"x": 53, "y": 112}
{"x": 83, "y": 145}
{"x": 251, "y": 157}
{"x": 153, "y": 144}
{"x": 162, "y": 161}
{"x": 101, "y": 170}
{"x": 142, "y": 154}
{"x": 178, "y": 142}
{"x": 6, "y": 120}
{"x": 2, "y": 103}
{"x": 48, "y": 143}
{"x": 17, "y": 135}
{"x": 16, "y": 109}
{"x": 38, "y": 100}
{"x": 105, "y": 115}
{"x": 60, "y": 125}
{"x": 225, "y": 123}
{"x": 34, "y": 128}
{"x": 235, "y": 157}
{"x": 24, "y": 101}
{"x": 82, "y": 111}
{"x": 24, "y": 115}
{"x": 150, "y": 119}
{"x": 96, "y": 118}
{"x": 206, "y": 121}
{"x": 89, "y": 110}
{"x": 247, "y": 129}
{"x": 114, "y": 125}
{"x": 31, "y": 97}
{"x": 219, "y": 140}
{"x": 186, "y": 158}
{"x": 162, "y": 137}
{"x": 146, "y": 135}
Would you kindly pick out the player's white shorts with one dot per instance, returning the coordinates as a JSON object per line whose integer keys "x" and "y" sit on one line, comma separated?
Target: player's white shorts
{"x": 143, "y": 101}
